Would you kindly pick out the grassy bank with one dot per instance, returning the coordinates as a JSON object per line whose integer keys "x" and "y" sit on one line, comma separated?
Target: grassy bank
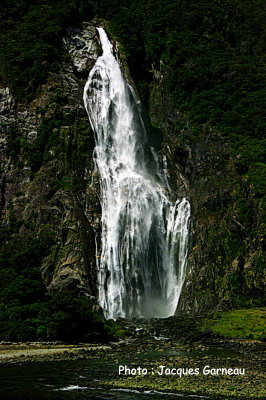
{"x": 240, "y": 324}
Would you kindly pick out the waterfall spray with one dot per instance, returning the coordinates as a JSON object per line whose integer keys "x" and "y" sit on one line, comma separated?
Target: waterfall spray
{"x": 144, "y": 242}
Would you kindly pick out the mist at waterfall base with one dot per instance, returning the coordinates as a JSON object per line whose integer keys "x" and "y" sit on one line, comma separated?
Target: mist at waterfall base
{"x": 144, "y": 241}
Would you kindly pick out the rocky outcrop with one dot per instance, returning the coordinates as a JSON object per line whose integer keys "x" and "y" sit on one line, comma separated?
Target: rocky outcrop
{"x": 83, "y": 47}
{"x": 48, "y": 181}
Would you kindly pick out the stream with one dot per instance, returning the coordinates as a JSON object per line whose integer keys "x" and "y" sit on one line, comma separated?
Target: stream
{"x": 92, "y": 378}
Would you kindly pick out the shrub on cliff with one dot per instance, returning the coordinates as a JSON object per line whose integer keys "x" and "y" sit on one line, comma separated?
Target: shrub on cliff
{"x": 70, "y": 318}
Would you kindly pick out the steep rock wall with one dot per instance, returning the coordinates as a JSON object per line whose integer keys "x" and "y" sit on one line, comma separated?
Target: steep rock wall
{"x": 48, "y": 182}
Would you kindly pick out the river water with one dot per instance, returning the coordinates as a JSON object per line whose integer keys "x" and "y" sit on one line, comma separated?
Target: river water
{"x": 73, "y": 380}
{"x": 92, "y": 378}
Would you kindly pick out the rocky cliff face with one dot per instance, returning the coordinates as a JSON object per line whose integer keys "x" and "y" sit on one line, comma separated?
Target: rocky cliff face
{"x": 48, "y": 182}
{"x": 49, "y": 185}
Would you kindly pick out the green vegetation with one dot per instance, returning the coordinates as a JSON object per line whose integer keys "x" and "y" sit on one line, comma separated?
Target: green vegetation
{"x": 240, "y": 324}
{"x": 28, "y": 312}
{"x": 31, "y": 40}
{"x": 210, "y": 55}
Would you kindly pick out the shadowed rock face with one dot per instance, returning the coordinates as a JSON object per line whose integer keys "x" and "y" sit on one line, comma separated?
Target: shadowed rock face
{"x": 47, "y": 173}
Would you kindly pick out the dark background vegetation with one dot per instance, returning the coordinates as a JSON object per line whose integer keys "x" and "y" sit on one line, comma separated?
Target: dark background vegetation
{"x": 210, "y": 54}
{"x": 28, "y": 312}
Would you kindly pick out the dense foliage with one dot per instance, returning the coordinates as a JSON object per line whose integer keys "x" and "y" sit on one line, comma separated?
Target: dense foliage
{"x": 210, "y": 55}
{"x": 28, "y": 311}
{"x": 31, "y": 40}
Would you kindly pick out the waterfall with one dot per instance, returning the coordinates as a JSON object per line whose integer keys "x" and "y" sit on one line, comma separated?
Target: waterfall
{"x": 143, "y": 256}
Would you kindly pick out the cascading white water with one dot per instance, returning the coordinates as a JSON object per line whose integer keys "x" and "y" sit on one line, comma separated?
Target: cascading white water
{"x": 142, "y": 264}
